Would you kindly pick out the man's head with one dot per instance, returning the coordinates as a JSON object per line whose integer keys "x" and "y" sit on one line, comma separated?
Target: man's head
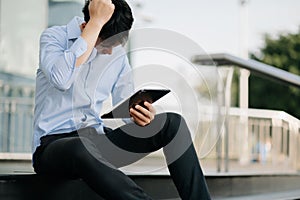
{"x": 119, "y": 24}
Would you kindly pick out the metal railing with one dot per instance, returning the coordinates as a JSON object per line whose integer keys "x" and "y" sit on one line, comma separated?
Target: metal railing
{"x": 265, "y": 130}
{"x": 256, "y": 67}
{"x": 16, "y": 119}
{"x": 272, "y": 142}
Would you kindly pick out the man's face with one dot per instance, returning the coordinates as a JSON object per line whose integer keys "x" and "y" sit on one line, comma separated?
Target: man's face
{"x": 106, "y": 46}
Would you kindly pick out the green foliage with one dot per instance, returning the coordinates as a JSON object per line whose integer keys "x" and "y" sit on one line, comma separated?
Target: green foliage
{"x": 282, "y": 52}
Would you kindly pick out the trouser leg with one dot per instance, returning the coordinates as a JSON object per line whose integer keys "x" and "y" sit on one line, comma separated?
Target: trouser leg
{"x": 188, "y": 176}
{"x": 170, "y": 132}
{"x": 70, "y": 157}
{"x": 128, "y": 144}
{"x": 183, "y": 162}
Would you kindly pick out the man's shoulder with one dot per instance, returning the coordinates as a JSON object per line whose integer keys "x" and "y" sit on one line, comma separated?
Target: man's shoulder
{"x": 71, "y": 30}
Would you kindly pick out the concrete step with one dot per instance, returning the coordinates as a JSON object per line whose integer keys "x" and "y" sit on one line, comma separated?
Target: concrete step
{"x": 36, "y": 187}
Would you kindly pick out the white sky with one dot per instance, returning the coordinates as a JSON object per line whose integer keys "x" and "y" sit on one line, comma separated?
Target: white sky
{"x": 215, "y": 24}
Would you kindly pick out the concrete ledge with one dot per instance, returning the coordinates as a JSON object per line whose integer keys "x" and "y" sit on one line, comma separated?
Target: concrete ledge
{"x": 229, "y": 186}
{"x": 15, "y": 156}
{"x": 36, "y": 187}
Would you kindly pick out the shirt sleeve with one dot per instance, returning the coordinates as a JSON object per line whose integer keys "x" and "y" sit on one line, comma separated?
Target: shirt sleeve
{"x": 57, "y": 61}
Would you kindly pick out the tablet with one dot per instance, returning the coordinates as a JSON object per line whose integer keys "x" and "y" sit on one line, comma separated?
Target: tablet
{"x": 122, "y": 109}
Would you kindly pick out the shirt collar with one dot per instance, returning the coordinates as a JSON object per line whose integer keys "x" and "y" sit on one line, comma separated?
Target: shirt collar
{"x": 73, "y": 28}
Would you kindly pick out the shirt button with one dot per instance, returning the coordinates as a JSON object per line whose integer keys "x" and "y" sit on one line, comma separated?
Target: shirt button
{"x": 84, "y": 118}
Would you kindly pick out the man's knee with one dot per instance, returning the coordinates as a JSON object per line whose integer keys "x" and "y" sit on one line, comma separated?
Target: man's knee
{"x": 174, "y": 117}
{"x": 174, "y": 122}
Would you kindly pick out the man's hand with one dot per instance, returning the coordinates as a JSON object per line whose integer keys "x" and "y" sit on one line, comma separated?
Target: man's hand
{"x": 143, "y": 116}
{"x": 101, "y": 10}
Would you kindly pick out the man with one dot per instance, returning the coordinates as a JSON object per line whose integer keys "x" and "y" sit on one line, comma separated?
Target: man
{"x": 81, "y": 64}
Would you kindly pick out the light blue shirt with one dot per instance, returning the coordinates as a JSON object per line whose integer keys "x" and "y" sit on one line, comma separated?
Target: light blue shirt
{"x": 68, "y": 97}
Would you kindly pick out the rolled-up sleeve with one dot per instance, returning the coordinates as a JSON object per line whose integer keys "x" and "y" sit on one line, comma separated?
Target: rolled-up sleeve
{"x": 79, "y": 47}
{"x": 57, "y": 61}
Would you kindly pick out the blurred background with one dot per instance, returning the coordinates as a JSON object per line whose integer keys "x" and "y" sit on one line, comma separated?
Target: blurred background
{"x": 265, "y": 141}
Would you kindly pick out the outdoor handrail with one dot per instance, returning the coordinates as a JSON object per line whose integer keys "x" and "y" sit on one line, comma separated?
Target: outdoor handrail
{"x": 267, "y": 71}
{"x": 252, "y": 65}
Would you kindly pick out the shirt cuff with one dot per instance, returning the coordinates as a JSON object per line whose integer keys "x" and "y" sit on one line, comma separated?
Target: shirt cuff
{"x": 79, "y": 47}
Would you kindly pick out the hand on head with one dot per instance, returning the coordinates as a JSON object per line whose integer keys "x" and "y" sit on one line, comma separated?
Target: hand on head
{"x": 101, "y": 10}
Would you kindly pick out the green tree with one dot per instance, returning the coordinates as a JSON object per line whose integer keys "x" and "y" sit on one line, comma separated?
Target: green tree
{"x": 282, "y": 52}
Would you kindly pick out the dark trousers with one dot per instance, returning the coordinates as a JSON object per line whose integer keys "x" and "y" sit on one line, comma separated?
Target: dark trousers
{"x": 95, "y": 158}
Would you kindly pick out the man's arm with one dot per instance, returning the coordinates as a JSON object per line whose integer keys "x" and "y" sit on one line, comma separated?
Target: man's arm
{"x": 100, "y": 12}
{"x": 57, "y": 61}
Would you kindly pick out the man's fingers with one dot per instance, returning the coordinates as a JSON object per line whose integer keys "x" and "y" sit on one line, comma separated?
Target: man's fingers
{"x": 150, "y": 107}
{"x": 139, "y": 118}
{"x": 143, "y": 115}
{"x": 145, "y": 111}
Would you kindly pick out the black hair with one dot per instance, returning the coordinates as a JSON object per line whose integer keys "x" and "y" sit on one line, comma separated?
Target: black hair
{"x": 119, "y": 24}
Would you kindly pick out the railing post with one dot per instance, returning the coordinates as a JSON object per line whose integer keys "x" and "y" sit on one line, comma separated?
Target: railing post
{"x": 227, "y": 103}
{"x": 243, "y": 97}
{"x": 220, "y": 96}
{"x": 224, "y": 100}
{"x": 294, "y": 144}
{"x": 276, "y": 139}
